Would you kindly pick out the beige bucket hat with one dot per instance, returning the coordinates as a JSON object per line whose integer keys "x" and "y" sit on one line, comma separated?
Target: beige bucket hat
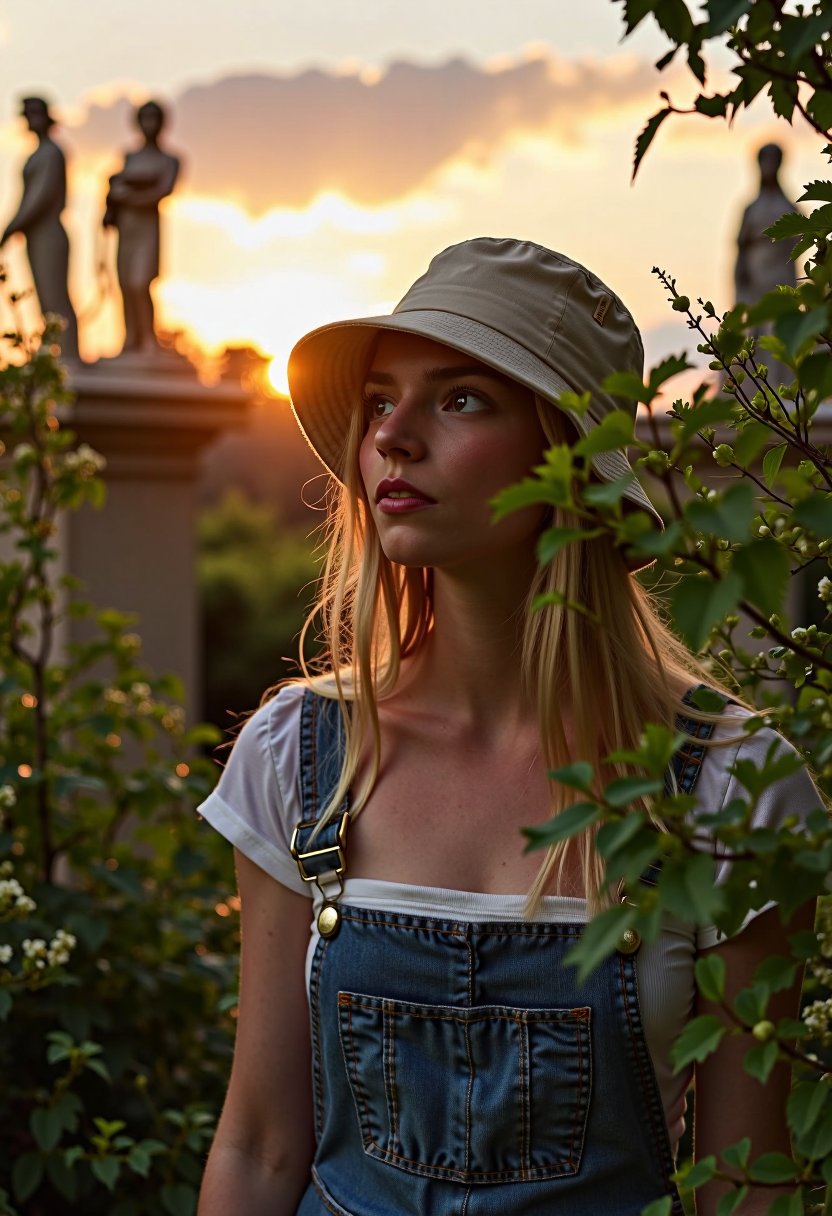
{"x": 535, "y": 315}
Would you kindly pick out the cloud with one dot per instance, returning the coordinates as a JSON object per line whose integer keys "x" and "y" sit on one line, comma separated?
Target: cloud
{"x": 269, "y": 140}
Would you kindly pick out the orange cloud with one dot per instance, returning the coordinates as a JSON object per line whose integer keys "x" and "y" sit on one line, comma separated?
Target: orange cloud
{"x": 281, "y": 140}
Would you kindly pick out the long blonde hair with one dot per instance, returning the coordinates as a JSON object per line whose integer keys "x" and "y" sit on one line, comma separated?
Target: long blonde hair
{"x": 616, "y": 665}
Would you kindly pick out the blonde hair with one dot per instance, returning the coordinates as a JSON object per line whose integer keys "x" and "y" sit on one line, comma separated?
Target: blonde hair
{"x": 617, "y": 653}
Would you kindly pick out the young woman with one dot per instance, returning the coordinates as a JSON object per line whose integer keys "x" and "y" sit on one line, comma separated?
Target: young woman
{"x": 424, "y": 1050}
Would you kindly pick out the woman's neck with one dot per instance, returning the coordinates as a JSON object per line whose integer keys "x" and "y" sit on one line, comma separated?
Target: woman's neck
{"x": 471, "y": 665}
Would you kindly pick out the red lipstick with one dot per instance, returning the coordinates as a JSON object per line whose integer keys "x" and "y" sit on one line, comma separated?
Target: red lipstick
{"x": 394, "y": 495}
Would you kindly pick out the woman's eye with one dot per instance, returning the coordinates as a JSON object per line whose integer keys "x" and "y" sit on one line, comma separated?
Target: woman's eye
{"x": 463, "y": 401}
{"x": 377, "y": 407}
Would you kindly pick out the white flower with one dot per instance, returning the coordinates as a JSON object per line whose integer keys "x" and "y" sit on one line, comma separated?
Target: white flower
{"x": 800, "y": 634}
{"x": 25, "y": 903}
{"x": 8, "y": 797}
{"x": 5, "y": 954}
{"x": 10, "y": 892}
{"x": 825, "y": 590}
{"x": 34, "y": 947}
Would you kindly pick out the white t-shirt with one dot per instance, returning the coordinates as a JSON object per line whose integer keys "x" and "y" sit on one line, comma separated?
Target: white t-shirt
{"x": 257, "y": 804}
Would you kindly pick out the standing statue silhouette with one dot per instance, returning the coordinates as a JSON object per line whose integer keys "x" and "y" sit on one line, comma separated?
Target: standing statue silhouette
{"x": 149, "y": 175}
{"x": 38, "y": 218}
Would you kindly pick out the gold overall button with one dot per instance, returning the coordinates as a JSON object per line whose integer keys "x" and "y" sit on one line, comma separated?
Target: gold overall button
{"x": 630, "y": 941}
{"x": 329, "y": 920}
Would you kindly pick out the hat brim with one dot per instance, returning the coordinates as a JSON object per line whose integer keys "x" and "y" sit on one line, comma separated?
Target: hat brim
{"x": 327, "y": 368}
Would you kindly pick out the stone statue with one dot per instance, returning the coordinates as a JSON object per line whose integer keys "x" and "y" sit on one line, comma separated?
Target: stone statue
{"x": 39, "y": 219}
{"x": 763, "y": 264}
{"x": 132, "y": 207}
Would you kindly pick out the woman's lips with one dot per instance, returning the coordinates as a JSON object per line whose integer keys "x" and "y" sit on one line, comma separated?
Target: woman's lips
{"x": 396, "y": 496}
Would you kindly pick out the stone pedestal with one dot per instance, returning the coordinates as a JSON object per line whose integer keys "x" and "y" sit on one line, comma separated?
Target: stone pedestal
{"x": 151, "y": 420}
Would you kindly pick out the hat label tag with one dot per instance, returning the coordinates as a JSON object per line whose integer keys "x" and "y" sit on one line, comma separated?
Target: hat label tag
{"x": 601, "y": 309}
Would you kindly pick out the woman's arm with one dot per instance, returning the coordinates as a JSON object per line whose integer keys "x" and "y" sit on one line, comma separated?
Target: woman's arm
{"x": 729, "y": 1103}
{"x": 260, "y": 1160}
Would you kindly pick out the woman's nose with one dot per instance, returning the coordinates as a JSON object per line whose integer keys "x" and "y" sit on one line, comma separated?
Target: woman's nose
{"x": 400, "y": 434}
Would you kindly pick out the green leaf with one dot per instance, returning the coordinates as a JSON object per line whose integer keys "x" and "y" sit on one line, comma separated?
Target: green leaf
{"x": 750, "y": 1003}
{"x": 613, "y": 432}
{"x": 554, "y": 539}
{"x": 820, "y": 107}
{"x": 26, "y": 1175}
{"x": 577, "y": 776}
{"x": 736, "y": 1155}
{"x": 816, "y": 1144}
{"x": 783, "y": 94}
{"x": 771, "y": 463}
{"x": 773, "y": 1167}
{"x": 805, "y": 1103}
{"x": 179, "y": 1199}
{"x": 614, "y": 835}
{"x": 63, "y": 1179}
{"x": 659, "y": 1207}
{"x": 764, "y": 568}
{"x": 139, "y": 1161}
{"x": 698, "y": 1040}
{"x": 698, "y": 1173}
{"x": 712, "y": 107}
{"x": 728, "y": 1204}
{"x": 673, "y": 19}
{"x": 600, "y": 938}
{"x": 816, "y": 192}
{"x": 624, "y": 790}
{"x": 750, "y": 442}
{"x": 788, "y": 1205}
{"x": 815, "y": 513}
{"x": 759, "y": 1062}
{"x": 628, "y": 385}
{"x": 568, "y": 822}
{"x": 646, "y": 138}
{"x": 664, "y": 371}
{"x": 815, "y": 375}
{"x": 708, "y": 699}
{"x": 688, "y": 889}
{"x": 797, "y": 328}
{"x": 729, "y": 516}
{"x": 695, "y": 417}
{"x": 607, "y": 493}
{"x": 776, "y": 973}
{"x": 697, "y": 604}
{"x": 5, "y": 1003}
{"x": 106, "y": 1170}
{"x": 46, "y": 1126}
{"x": 710, "y": 976}
{"x": 789, "y": 225}
{"x": 724, "y": 13}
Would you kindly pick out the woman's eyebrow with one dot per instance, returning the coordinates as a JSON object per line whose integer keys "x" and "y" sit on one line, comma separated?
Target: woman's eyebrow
{"x": 436, "y": 374}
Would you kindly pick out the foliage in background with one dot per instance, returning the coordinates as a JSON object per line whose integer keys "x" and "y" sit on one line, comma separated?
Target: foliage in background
{"x": 117, "y": 936}
{"x": 729, "y": 550}
{"x": 255, "y": 585}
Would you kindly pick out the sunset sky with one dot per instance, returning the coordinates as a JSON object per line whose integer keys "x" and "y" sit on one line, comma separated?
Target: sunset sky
{"x": 331, "y": 148}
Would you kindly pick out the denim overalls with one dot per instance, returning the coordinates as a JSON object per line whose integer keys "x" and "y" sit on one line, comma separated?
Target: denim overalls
{"x": 458, "y": 1068}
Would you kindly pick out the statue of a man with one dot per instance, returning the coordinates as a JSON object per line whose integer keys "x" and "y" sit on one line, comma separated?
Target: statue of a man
{"x": 763, "y": 264}
{"x": 38, "y": 218}
{"x": 132, "y": 207}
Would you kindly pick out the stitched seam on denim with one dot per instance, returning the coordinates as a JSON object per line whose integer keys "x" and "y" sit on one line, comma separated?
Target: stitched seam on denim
{"x": 307, "y": 770}
{"x": 494, "y": 929}
{"x": 579, "y": 1097}
{"x": 468, "y": 1099}
{"x": 315, "y": 1019}
{"x": 653, "y": 1095}
{"x": 647, "y": 1090}
{"x": 464, "y": 1208}
{"x": 490, "y": 1013}
{"x": 469, "y": 946}
{"x": 390, "y": 1075}
{"x": 358, "y": 1094}
{"x": 325, "y": 1197}
{"x": 525, "y": 1088}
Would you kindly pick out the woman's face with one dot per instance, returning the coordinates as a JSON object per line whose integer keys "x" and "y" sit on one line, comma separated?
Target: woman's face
{"x": 444, "y": 433}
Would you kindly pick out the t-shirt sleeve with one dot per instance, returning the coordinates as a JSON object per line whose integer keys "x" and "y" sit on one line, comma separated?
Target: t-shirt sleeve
{"x": 257, "y": 803}
{"x": 794, "y": 795}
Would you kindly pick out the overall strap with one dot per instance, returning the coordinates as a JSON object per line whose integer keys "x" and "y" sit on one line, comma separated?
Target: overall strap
{"x": 686, "y": 765}
{"x": 320, "y": 855}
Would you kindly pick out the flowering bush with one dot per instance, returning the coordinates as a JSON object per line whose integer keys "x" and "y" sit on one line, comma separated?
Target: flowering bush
{"x": 117, "y": 933}
{"x": 728, "y": 557}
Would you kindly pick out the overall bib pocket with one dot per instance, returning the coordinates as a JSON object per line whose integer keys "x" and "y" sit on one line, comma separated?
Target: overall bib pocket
{"x": 479, "y": 1094}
